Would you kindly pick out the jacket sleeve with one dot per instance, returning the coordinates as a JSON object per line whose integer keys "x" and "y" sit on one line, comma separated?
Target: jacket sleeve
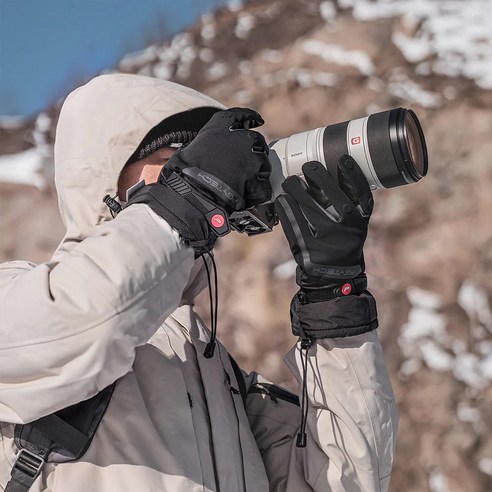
{"x": 69, "y": 329}
{"x": 351, "y": 424}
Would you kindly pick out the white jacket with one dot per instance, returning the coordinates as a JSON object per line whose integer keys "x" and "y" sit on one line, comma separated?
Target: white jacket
{"x": 115, "y": 303}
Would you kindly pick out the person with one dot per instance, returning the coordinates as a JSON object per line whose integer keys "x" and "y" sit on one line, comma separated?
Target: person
{"x": 113, "y": 308}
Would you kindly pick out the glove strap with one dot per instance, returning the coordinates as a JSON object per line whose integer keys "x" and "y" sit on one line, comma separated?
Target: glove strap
{"x": 215, "y": 216}
{"x": 352, "y": 286}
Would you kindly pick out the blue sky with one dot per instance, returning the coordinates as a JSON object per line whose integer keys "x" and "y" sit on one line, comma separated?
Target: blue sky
{"x": 48, "y": 46}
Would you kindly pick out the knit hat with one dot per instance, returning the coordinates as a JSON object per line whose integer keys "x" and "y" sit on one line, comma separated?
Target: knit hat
{"x": 180, "y": 128}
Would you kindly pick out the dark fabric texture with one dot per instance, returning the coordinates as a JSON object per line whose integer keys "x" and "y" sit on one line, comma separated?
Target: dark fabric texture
{"x": 326, "y": 222}
{"x": 180, "y": 213}
{"x": 180, "y": 128}
{"x": 340, "y": 317}
{"x": 228, "y": 160}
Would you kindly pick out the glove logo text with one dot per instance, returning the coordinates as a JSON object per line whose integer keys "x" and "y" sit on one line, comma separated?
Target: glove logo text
{"x": 218, "y": 187}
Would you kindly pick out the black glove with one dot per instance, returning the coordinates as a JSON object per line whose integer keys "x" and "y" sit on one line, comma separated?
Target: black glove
{"x": 227, "y": 160}
{"x": 190, "y": 196}
{"x": 326, "y": 223}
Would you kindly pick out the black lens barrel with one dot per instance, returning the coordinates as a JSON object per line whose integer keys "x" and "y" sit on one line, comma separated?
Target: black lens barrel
{"x": 395, "y": 142}
{"x": 335, "y": 145}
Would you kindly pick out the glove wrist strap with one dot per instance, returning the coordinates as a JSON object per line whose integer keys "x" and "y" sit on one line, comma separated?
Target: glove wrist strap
{"x": 216, "y": 217}
{"x": 352, "y": 286}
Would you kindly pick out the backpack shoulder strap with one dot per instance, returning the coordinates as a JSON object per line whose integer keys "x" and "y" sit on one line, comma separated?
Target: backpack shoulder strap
{"x": 62, "y": 436}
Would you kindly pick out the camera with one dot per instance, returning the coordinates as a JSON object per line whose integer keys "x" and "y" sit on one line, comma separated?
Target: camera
{"x": 388, "y": 146}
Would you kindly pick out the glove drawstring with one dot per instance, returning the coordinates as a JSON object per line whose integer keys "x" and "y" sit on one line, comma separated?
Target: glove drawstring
{"x": 210, "y": 348}
{"x": 301, "y": 435}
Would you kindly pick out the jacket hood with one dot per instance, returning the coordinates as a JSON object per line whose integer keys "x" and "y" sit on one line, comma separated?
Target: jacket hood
{"x": 101, "y": 125}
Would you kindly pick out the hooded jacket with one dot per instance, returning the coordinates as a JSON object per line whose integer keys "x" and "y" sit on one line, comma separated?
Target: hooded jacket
{"x": 115, "y": 303}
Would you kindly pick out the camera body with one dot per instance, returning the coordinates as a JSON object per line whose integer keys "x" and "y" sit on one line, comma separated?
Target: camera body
{"x": 388, "y": 146}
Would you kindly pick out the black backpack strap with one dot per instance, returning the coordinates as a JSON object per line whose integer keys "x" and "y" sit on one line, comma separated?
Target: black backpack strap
{"x": 67, "y": 434}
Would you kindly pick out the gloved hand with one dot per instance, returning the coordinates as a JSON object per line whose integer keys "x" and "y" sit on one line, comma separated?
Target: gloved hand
{"x": 224, "y": 168}
{"x": 227, "y": 160}
{"x": 326, "y": 223}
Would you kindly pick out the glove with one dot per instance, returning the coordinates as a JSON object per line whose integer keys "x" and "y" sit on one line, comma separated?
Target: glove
{"x": 228, "y": 161}
{"x": 325, "y": 222}
{"x": 190, "y": 196}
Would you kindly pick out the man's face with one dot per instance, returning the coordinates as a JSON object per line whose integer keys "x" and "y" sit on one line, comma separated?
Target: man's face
{"x": 147, "y": 169}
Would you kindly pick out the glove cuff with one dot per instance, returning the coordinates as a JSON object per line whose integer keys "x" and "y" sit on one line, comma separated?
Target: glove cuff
{"x": 197, "y": 220}
{"x": 342, "y": 316}
{"x": 343, "y": 288}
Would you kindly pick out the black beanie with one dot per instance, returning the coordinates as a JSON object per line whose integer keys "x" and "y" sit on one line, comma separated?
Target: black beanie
{"x": 180, "y": 128}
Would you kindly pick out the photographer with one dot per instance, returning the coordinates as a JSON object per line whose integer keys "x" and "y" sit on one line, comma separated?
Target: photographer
{"x": 108, "y": 378}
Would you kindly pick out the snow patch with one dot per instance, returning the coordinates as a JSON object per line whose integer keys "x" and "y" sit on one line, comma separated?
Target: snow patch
{"x": 424, "y": 298}
{"x": 206, "y": 55}
{"x": 208, "y": 31}
{"x": 327, "y": 11}
{"x": 437, "y": 481}
{"x": 23, "y": 168}
{"x": 468, "y": 414}
{"x": 302, "y": 76}
{"x": 138, "y": 59}
{"x": 285, "y": 270}
{"x": 245, "y": 23}
{"x": 412, "y": 93}
{"x": 435, "y": 357}
{"x": 485, "y": 466}
{"x": 475, "y": 303}
{"x": 454, "y": 37}
{"x": 217, "y": 70}
{"x": 12, "y": 122}
{"x": 234, "y": 5}
{"x": 467, "y": 369}
{"x": 271, "y": 56}
{"x": 333, "y": 53}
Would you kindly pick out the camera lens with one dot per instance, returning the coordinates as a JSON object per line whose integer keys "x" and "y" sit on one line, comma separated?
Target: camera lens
{"x": 415, "y": 143}
{"x": 388, "y": 146}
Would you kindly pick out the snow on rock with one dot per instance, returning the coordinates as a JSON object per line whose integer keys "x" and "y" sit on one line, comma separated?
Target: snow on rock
{"x": 133, "y": 60}
{"x": 424, "y": 298}
{"x": 467, "y": 369}
{"x": 12, "y": 122}
{"x": 327, "y": 11}
{"x": 424, "y": 338}
{"x": 304, "y": 77}
{"x": 245, "y": 23}
{"x": 333, "y": 53}
{"x": 234, "y": 5}
{"x": 285, "y": 270}
{"x": 476, "y": 304}
{"x": 437, "y": 481}
{"x": 485, "y": 466}
{"x": 217, "y": 70}
{"x": 23, "y": 168}
{"x": 272, "y": 56}
{"x": 206, "y": 55}
{"x": 208, "y": 30}
{"x": 454, "y": 37}
{"x": 468, "y": 414}
{"x": 411, "y": 92}
{"x": 435, "y": 357}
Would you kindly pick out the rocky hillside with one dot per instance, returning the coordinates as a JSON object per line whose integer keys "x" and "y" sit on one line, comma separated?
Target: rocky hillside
{"x": 309, "y": 63}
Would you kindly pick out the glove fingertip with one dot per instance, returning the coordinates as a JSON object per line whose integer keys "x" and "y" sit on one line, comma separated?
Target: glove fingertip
{"x": 292, "y": 182}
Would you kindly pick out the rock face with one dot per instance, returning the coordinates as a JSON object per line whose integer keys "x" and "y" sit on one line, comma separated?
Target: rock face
{"x": 305, "y": 64}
